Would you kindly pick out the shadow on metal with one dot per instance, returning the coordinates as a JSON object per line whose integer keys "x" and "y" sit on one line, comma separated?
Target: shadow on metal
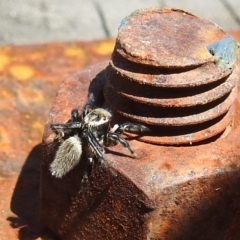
{"x": 25, "y": 202}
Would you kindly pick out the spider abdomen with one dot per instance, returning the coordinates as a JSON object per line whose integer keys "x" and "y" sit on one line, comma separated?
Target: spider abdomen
{"x": 67, "y": 156}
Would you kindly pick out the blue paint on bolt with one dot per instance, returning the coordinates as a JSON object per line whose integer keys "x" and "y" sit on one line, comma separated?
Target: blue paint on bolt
{"x": 123, "y": 23}
{"x": 225, "y": 52}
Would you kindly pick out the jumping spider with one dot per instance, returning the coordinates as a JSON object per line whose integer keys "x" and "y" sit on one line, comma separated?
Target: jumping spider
{"x": 87, "y": 134}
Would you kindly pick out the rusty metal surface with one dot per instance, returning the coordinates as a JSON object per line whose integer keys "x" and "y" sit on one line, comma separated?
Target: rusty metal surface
{"x": 141, "y": 40}
{"x": 134, "y": 203}
{"x": 29, "y": 79}
{"x": 168, "y": 193}
{"x": 168, "y": 97}
{"x": 191, "y": 135}
{"x": 109, "y": 217}
{"x": 30, "y": 76}
{"x": 204, "y": 74}
{"x": 169, "y": 116}
{"x": 165, "y": 95}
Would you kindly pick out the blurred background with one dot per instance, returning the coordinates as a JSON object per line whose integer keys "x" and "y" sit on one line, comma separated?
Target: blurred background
{"x": 42, "y": 21}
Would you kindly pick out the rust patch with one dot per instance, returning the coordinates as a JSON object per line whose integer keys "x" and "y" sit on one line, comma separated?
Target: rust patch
{"x": 161, "y": 37}
{"x": 165, "y": 78}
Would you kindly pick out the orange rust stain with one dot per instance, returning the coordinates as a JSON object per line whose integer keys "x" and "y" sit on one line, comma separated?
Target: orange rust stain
{"x": 211, "y": 35}
{"x": 236, "y": 35}
{"x": 164, "y": 227}
{"x": 166, "y": 166}
{"x": 208, "y": 35}
{"x": 104, "y": 48}
{"x": 21, "y": 72}
{"x": 203, "y": 54}
{"x": 4, "y": 61}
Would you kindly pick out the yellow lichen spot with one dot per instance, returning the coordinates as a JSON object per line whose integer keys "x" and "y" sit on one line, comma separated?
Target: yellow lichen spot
{"x": 75, "y": 52}
{"x": 105, "y": 47}
{"x": 4, "y": 61}
{"x": 21, "y": 72}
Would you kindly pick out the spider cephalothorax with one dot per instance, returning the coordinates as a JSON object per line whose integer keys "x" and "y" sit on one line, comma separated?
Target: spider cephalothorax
{"x": 86, "y": 134}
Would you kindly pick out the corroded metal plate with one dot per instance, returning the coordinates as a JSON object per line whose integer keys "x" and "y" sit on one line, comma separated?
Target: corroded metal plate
{"x": 169, "y": 38}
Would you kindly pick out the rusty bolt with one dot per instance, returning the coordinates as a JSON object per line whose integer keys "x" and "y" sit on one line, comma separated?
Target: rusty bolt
{"x": 161, "y": 74}
{"x": 165, "y": 76}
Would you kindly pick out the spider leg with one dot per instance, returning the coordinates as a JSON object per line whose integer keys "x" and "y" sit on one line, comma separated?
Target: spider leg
{"x": 114, "y": 138}
{"x": 130, "y": 127}
{"x": 68, "y": 128}
{"x": 71, "y": 125}
{"x": 96, "y": 149}
{"x": 60, "y": 135}
{"x": 87, "y": 170}
{"x": 85, "y": 110}
{"x": 65, "y": 129}
{"x": 114, "y": 133}
{"x": 75, "y": 115}
{"x": 75, "y": 123}
{"x": 94, "y": 146}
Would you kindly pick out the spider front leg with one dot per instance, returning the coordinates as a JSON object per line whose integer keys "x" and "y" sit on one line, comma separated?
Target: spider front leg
{"x": 63, "y": 131}
{"x": 88, "y": 169}
{"x": 94, "y": 148}
{"x": 131, "y": 127}
{"x": 75, "y": 115}
{"x": 74, "y": 124}
{"x": 69, "y": 128}
{"x": 86, "y": 110}
{"x": 113, "y": 138}
{"x": 71, "y": 125}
